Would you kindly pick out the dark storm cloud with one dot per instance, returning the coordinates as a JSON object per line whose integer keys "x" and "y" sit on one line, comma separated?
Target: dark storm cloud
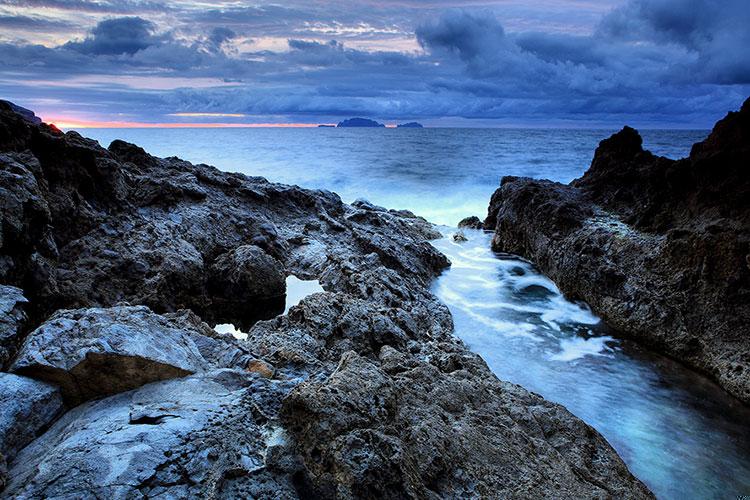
{"x": 125, "y": 35}
{"x": 657, "y": 61}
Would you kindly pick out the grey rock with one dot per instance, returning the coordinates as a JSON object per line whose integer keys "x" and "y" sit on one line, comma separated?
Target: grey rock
{"x": 459, "y": 237}
{"x": 28, "y": 408}
{"x": 205, "y": 436}
{"x": 100, "y": 351}
{"x": 657, "y": 247}
{"x": 12, "y": 319}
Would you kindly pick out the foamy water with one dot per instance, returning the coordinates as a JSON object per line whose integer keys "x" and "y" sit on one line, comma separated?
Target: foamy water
{"x": 677, "y": 431}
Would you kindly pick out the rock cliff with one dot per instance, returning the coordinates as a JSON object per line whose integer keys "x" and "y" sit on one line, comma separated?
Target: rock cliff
{"x": 659, "y": 248}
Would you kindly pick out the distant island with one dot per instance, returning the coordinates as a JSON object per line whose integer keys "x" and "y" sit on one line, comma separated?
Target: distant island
{"x": 410, "y": 125}
{"x": 326, "y": 126}
{"x": 360, "y": 122}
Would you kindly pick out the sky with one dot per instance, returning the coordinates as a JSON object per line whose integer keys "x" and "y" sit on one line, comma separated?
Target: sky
{"x": 476, "y": 63}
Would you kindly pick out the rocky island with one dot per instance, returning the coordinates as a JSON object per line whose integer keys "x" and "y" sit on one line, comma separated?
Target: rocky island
{"x": 410, "y": 125}
{"x": 659, "y": 248}
{"x": 115, "y": 265}
{"x": 359, "y": 123}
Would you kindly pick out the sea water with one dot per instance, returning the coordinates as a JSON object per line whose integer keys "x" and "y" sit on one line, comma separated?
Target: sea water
{"x": 676, "y": 430}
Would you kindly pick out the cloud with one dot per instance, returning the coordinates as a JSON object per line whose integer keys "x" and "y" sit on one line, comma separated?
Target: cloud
{"x": 645, "y": 62}
{"x": 124, "y": 35}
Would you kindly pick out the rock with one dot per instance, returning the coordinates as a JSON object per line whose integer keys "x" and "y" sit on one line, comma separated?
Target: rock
{"x": 657, "y": 247}
{"x": 472, "y": 222}
{"x": 12, "y": 319}
{"x": 247, "y": 284}
{"x": 359, "y": 122}
{"x": 205, "y": 436}
{"x": 424, "y": 430}
{"x": 459, "y": 237}
{"x": 96, "y": 352}
{"x": 192, "y": 242}
{"x": 29, "y": 407}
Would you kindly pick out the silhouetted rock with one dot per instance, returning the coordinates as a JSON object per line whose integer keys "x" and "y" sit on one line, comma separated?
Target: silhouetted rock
{"x": 359, "y": 122}
{"x": 472, "y": 222}
{"x": 659, "y": 248}
{"x": 410, "y": 125}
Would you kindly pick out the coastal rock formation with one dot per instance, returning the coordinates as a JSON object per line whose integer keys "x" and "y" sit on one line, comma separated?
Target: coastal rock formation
{"x": 472, "y": 222}
{"x": 96, "y": 352}
{"x": 361, "y": 390}
{"x": 659, "y": 248}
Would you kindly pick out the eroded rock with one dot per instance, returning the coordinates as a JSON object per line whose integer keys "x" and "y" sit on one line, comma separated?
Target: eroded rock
{"x": 12, "y": 319}
{"x": 659, "y": 248}
{"x": 100, "y": 351}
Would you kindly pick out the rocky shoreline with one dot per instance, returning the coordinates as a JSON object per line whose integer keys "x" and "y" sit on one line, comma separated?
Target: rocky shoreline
{"x": 114, "y": 267}
{"x": 659, "y": 248}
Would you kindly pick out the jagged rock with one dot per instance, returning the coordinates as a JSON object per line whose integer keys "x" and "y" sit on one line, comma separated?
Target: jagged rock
{"x": 659, "y": 248}
{"x": 12, "y": 319}
{"x": 163, "y": 232}
{"x": 28, "y": 407}
{"x": 95, "y": 352}
{"x": 472, "y": 222}
{"x": 205, "y": 436}
{"x": 425, "y": 430}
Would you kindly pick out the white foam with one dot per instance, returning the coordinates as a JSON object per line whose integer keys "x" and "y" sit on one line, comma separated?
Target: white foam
{"x": 577, "y": 347}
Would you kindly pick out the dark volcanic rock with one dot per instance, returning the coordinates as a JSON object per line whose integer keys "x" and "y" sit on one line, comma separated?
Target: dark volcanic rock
{"x": 358, "y": 391}
{"x": 472, "y": 222}
{"x": 659, "y": 248}
{"x": 360, "y": 122}
{"x": 12, "y": 319}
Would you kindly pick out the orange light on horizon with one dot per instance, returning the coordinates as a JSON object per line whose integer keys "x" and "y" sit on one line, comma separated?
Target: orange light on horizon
{"x": 81, "y": 124}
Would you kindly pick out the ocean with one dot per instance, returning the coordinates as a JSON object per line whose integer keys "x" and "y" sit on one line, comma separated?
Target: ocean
{"x": 677, "y": 431}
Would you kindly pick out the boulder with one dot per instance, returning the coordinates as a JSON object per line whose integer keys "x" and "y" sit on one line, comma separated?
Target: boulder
{"x": 100, "y": 351}
{"x": 472, "y": 222}
{"x": 28, "y": 408}
{"x": 205, "y": 436}
{"x": 12, "y": 319}
{"x": 659, "y": 248}
{"x": 247, "y": 284}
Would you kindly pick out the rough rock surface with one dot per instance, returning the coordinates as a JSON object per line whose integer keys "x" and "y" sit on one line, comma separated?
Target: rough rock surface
{"x": 28, "y": 407}
{"x": 360, "y": 390}
{"x": 100, "y": 351}
{"x": 659, "y": 248}
{"x": 12, "y": 319}
{"x": 472, "y": 222}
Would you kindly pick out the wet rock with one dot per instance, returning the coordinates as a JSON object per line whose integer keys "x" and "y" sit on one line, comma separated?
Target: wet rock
{"x": 95, "y": 352}
{"x": 205, "y": 436}
{"x": 12, "y": 319}
{"x": 28, "y": 408}
{"x": 472, "y": 222}
{"x": 459, "y": 237}
{"x": 657, "y": 247}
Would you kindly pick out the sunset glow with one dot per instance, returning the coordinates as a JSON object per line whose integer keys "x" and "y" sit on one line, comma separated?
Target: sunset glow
{"x": 76, "y": 124}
